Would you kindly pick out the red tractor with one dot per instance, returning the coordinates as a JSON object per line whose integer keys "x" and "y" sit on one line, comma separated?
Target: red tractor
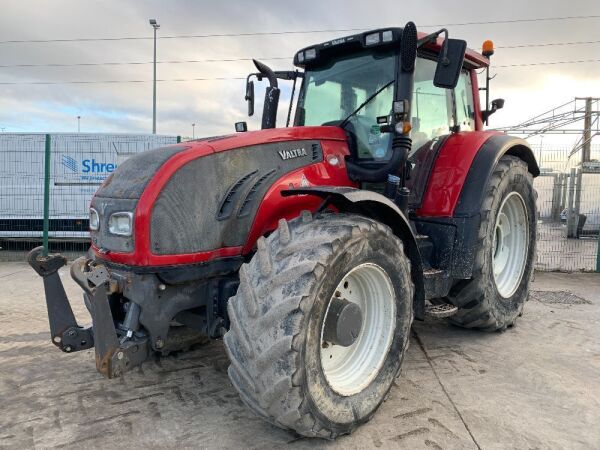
{"x": 311, "y": 248}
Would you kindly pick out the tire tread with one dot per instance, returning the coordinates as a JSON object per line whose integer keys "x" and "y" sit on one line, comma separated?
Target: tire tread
{"x": 266, "y": 324}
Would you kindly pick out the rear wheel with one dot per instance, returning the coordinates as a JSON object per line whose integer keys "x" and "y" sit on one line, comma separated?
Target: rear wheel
{"x": 494, "y": 297}
{"x": 320, "y": 323}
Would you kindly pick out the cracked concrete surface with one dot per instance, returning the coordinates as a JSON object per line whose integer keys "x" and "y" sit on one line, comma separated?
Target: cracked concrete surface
{"x": 534, "y": 386}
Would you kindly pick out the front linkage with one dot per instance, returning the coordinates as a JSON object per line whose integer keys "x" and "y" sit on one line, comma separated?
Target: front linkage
{"x": 116, "y": 352}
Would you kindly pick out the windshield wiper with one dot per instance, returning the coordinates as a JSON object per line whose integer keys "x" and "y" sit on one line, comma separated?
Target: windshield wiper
{"x": 363, "y": 104}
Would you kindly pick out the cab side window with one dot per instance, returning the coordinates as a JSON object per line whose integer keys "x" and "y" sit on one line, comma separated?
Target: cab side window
{"x": 432, "y": 106}
{"x": 465, "y": 111}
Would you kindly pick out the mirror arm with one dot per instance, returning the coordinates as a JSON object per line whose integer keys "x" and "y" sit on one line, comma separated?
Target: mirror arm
{"x": 289, "y": 75}
{"x": 289, "y": 116}
{"x": 496, "y": 105}
{"x": 258, "y": 75}
{"x": 248, "y": 81}
{"x": 431, "y": 38}
{"x": 486, "y": 113}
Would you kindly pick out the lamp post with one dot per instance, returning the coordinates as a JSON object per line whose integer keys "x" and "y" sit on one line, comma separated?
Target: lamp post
{"x": 79, "y": 124}
{"x": 156, "y": 26}
{"x": 193, "y": 131}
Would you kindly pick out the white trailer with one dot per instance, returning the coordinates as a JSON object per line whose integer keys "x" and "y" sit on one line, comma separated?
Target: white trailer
{"x": 80, "y": 162}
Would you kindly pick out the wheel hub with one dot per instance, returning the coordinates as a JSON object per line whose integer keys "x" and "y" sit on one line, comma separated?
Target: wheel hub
{"x": 510, "y": 246}
{"x": 343, "y": 323}
{"x": 358, "y": 329}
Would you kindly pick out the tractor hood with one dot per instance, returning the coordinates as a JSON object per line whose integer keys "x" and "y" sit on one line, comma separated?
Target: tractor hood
{"x": 200, "y": 195}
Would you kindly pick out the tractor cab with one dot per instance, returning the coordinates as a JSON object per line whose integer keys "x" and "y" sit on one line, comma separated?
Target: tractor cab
{"x": 391, "y": 90}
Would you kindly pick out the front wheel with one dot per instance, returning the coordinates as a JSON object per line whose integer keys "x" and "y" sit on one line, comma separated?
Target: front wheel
{"x": 320, "y": 323}
{"x": 494, "y": 297}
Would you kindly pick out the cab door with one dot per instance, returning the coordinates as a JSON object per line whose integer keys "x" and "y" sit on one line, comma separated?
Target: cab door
{"x": 436, "y": 112}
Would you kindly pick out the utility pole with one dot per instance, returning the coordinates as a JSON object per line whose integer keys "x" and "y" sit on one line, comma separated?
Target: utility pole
{"x": 587, "y": 132}
{"x": 585, "y": 157}
{"x": 156, "y": 26}
{"x": 79, "y": 124}
{"x": 193, "y": 131}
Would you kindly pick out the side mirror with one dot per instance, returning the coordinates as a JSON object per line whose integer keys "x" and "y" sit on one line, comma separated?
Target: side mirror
{"x": 250, "y": 97}
{"x": 450, "y": 61}
{"x": 496, "y": 105}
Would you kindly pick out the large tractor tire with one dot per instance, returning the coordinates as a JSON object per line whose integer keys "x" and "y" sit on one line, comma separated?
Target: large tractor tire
{"x": 320, "y": 323}
{"x": 494, "y": 297}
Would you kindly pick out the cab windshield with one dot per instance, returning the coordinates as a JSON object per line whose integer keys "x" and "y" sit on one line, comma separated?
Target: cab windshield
{"x": 332, "y": 92}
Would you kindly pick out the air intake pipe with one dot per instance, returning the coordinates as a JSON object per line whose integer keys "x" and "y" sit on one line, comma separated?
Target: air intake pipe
{"x": 402, "y": 143}
{"x": 269, "y": 117}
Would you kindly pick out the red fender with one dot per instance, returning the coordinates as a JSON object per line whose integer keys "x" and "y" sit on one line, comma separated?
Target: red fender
{"x": 450, "y": 172}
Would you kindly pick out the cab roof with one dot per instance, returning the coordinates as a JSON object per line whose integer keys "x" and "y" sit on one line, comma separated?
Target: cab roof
{"x": 387, "y": 38}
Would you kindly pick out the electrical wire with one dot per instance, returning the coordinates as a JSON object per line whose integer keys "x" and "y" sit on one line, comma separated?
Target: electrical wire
{"x": 116, "y": 81}
{"x": 547, "y": 63}
{"x": 548, "y": 44}
{"x": 275, "y": 33}
{"x": 136, "y": 63}
{"x": 13, "y": 83}
{"x": 238, "y": 59}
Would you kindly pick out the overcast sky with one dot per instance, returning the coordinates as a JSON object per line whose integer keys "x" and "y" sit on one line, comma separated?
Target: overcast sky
{"x": 215, "y": 105}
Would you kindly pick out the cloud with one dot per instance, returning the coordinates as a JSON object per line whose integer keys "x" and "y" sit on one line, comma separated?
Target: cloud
{"x": 215, "y": 105}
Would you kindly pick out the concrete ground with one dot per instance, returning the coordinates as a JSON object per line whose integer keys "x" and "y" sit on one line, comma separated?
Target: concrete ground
{"x": 535, "y": 386}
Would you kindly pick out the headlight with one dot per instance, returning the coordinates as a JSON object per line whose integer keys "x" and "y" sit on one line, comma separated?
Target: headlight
{"x": 94, "y": 220}
{"x": 120, "y": 223}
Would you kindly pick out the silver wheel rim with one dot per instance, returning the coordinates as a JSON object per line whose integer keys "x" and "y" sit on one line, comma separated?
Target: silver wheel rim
{"x": 349, "y": 370}
{"x": 510, "y": 247}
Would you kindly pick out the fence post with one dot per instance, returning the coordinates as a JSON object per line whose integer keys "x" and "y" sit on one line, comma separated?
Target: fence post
{"x": 577, "y": 201}
{"x": 46, "y": 194}
{"x": 563, "y": 195}
{"x": 598, "y": 254}
{"x": 571, "y": 230}
{"x": 556, "y": 193}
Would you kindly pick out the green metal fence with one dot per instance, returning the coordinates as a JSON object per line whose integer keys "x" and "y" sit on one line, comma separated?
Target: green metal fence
{"x": 47, "y": 182}
{"x": 569, "y": 210}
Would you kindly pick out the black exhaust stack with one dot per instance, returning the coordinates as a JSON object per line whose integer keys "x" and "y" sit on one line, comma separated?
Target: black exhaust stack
{"x": 406, "y": 77}
{"x": 401, "y": 142}
{"x": 269, "y": 117}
